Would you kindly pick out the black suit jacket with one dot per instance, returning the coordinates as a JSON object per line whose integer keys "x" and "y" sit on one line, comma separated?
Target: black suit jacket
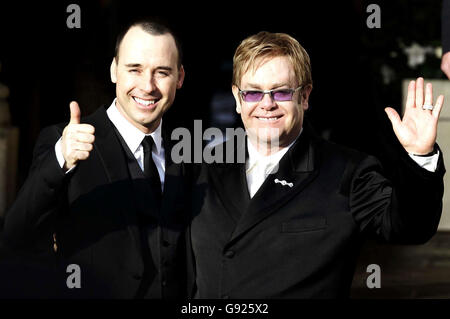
{"x": 95, "y": 212}
{"x": 303, "y": 241}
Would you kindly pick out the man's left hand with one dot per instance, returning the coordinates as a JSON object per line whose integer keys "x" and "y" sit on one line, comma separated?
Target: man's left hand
{"x": 418, "y": 129}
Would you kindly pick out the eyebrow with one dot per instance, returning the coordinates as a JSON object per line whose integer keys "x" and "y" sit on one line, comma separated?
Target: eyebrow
{"x": 133, "y": 65}
{"x": 138, "y": 65}
{"x": 275, "y": 86}
{"x": 162, "y": 67}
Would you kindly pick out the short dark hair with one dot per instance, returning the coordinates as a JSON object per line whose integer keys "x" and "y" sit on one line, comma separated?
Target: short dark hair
{"x": 152, "y": 27}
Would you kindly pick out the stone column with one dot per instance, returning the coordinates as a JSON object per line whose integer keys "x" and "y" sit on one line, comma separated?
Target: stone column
{"x": 9, "y": 138}
{"x": 443, "y": 138}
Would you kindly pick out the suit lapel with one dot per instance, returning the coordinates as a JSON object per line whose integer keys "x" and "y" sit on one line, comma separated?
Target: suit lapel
{"x": 230, "y": 183}
{"x": 298, "y": 167}
{"x": 231, "y": 187}
{"x": 173, "y": 179}
{"x": 108, "y": 147}
{"x": 144, "y": 196}
{"x": 114, "y": 161}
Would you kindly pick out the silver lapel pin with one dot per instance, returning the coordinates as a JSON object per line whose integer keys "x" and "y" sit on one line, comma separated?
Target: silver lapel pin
{"x": 283, "y": 182}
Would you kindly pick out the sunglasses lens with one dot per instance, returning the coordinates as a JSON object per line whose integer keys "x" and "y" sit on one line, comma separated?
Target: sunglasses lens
{"x": 253, "y": 96}
{"x": 282, "y": 95}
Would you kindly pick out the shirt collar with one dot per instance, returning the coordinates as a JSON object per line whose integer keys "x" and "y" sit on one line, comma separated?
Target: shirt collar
{"x": 130, "y": 133}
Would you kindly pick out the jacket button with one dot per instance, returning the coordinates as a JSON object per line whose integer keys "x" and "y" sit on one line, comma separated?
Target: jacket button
{"x": 165, "y": 243}
{"x": 225, "y": 297}
{"x": 164, "y": 283}
{"x": 137, "y": 276}
{"x": 229, "y": 254}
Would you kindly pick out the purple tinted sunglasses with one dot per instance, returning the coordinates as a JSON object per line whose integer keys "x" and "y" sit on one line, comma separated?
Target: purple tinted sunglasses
{"x": 276, "y": 95}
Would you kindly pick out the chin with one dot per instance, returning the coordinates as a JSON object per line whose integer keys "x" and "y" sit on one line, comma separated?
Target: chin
{"x": 267, "y": 135}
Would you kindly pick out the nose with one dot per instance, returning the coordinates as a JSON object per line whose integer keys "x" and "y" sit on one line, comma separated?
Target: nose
{"x": 267, "y": 102}
{"x": 148, "y": 83}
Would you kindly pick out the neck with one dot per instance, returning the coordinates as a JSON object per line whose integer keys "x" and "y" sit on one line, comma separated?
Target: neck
{"x": 146, "y": 129}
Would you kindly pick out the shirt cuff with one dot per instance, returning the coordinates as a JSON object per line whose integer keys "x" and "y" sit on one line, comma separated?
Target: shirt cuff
{"x": 427, "y": 162}
{"x": 60, "y": 156}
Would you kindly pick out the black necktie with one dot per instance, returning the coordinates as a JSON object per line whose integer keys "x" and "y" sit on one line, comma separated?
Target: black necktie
{"x": 150, "y": 170}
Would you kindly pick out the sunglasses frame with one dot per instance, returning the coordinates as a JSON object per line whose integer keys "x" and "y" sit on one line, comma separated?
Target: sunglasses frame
{"x": 271, "y": 92}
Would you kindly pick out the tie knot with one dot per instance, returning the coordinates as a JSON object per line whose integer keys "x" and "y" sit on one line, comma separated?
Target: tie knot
{"x": 147, "y": 143}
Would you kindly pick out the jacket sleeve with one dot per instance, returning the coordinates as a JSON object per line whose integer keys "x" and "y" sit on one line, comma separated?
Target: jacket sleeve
{"x": 404, "y": 209}
{"x": 32, "y": 214}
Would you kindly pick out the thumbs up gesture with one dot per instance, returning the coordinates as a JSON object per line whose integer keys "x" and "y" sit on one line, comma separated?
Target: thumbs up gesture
{"x": 77, "y": 139}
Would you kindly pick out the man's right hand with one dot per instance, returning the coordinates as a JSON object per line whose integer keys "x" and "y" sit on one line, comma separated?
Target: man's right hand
{"x": 77, "y": 139}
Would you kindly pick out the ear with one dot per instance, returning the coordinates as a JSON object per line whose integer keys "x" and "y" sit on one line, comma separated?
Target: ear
{"x": 305, "y": 96}
{"x": 237, "y": 97}
{"x": 181, "y": 75}
{"x": 113, "y": 71}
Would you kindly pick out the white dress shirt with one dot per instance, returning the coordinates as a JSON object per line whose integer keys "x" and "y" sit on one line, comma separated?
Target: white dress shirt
{"x": 258, "y": 166}
{"x": 133, "y": 137}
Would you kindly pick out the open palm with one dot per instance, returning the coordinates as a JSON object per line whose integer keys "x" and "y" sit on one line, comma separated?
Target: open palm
{"x": 418, "y": 129}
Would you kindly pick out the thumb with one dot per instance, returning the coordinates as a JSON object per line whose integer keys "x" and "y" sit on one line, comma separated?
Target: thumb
{"x": 74, "y": 113}
{"x": 393, "y": 117}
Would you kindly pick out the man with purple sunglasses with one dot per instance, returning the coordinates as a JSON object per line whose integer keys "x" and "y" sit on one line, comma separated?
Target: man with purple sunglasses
{"x": 288, "y": 221}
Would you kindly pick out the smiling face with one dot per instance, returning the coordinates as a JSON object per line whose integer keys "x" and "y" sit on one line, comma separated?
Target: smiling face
{"x": 269, "y": 121}
{"x": 146, "y": 76}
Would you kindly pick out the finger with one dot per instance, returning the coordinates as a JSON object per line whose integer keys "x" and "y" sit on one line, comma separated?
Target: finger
{"x": 75, "y": 113}
{"x": 81, "y": 155}
{"x": 81, "y": 147}
{"x": 411, "y": 97}
{"x": 437, "y": 108}
{"x": 428, "y": 94}
{"x": 419, "y": 92}
{"x": 393, "y": 117}
{"x": 85, "y": 128}
{"x": 84, "y": 137}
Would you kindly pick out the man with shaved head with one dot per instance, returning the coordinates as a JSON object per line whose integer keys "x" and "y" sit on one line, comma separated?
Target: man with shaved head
{"x": 102, "y": 192}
